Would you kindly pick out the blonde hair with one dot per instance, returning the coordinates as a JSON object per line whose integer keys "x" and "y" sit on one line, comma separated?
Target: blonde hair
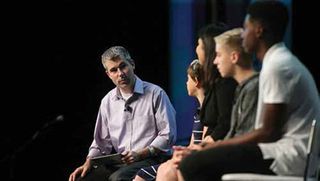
{"x": 232, "y": 39}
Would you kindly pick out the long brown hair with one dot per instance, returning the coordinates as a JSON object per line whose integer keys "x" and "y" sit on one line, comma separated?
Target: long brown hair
{"x": 207, "y": 34}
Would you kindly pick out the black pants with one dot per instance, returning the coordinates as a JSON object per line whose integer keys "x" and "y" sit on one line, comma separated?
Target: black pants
{"x": 211, "y": 164}
{"x": 120, "y": 172}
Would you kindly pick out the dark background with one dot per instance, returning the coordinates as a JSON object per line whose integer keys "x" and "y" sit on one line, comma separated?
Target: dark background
{"x": 51, "y": 66}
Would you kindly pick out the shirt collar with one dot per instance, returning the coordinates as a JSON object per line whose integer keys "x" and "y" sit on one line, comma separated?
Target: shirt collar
{"x": 241, "y": 84}
{"x": 272, "y": 49}
{"x": 138, "y": 89}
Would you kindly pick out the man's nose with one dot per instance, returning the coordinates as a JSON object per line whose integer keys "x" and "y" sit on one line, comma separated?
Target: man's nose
{"x": 119, "y": 71}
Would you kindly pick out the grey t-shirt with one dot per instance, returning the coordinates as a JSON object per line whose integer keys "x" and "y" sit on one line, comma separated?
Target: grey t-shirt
{"x": 245, "y": 107}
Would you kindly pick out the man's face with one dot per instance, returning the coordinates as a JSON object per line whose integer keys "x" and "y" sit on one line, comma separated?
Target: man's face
{"x": 250, "y": 35}
{"x": 121, "y": 73}
{"x": 223, "y": 60}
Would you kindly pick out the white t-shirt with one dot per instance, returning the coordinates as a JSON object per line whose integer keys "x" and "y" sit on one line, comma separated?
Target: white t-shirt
{"x": 284, "y": 79}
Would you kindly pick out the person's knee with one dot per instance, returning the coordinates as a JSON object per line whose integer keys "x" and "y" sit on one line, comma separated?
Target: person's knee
{"x": 116, "y": 176}
{"x": 163, "y": 168}
{"x": 119, "y": 175}
{"x": 167, "y": 171}
{"x": 138, "y": 178}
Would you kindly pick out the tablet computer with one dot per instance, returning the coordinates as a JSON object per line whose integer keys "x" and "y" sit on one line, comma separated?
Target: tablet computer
{"x": 111, "y": 159}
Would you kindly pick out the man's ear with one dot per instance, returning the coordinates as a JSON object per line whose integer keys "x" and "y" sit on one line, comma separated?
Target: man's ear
{"x": 107, "y": 73}
{"x": 235, "y": 57}
{"x": 259, "y": 30}
{"x": 132, "y": 63}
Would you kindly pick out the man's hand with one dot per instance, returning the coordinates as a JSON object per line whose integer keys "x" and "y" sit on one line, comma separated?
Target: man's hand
{"x": 130, "y": 157}
{"x": 83, "y": 170}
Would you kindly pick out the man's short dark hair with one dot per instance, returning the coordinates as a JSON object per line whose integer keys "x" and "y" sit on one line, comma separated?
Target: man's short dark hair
{"x": 272, "y": 15}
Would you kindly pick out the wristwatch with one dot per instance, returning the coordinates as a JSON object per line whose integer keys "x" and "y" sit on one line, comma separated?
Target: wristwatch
{"x": 152, "y": 151}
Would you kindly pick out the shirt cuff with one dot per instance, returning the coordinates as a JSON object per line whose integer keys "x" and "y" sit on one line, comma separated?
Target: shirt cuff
{"x": 161, "y": 143}
{"x": 93, "y": 152}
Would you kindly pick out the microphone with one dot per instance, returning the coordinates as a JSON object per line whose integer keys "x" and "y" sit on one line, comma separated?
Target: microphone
{"x": 57, "y": 119}
{"x": 127, "y": 108}
{"x": 60, "y": 118}
{"x": 12, "y": 157}
{"x": 133, "y": 98}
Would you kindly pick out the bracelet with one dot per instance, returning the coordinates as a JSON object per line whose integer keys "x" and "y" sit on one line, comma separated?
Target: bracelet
{"x": 152, "y": 151}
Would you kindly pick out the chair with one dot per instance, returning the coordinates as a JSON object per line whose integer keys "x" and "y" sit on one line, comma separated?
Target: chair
{"x": 312, "y": 170}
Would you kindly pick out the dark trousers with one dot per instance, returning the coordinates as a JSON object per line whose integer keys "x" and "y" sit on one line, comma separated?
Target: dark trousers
{"x": 211, "y": 164}
{"x": 119, "y": 172}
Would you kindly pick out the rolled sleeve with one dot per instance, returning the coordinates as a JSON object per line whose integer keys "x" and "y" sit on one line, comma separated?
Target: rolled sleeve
{"x": 166, "y": 123}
